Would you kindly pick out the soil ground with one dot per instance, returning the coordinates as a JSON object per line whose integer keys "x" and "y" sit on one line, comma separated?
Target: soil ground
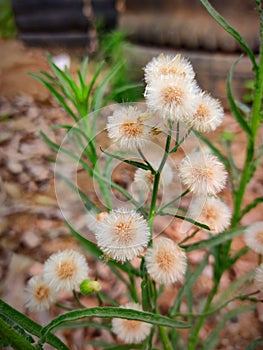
{"x": 32, "y": 227}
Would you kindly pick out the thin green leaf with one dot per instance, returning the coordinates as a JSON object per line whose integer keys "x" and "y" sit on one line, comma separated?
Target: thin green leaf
{"x": 84, "y": 67}
{"x": 29, "y": 325}
{"x": 196, "y": 223}
{"x": 121, "y": 90}
{"x": 191, "y": 278}
{"x": 233, "y": 288}
{"x": 84, "y": 89}
{"x": 96, "y": 102}
{"x": 87, "y": 202}
{"x": 128, "y": 161}
{"x": 254, "y": 344}
{"x": 94, "y": 78}
{"x": 66, "y": 81}
{"x": 215, "y": 150}
{"x": 112, "y": 312}
{"x": 215, "y": 240}
{"x": 9, "y": 336}
{"x": 78, "y": 130}
{"x": 219, "y": 19}
{"x": 57, "y": 95}
{"x": 233, "y": 106}
{"x": 212, "y": 340}
{"x": 251, "y": 206}
{"x": 84, "y": 324}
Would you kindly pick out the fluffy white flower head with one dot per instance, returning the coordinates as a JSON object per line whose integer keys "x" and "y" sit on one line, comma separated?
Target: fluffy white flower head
{"x": 259, "y": 277}
{"x": 212, "y": 212}
{"x": 131, "y": 331}
{"x": 254, "y": 237}
{"x": 122, "y": 234}
{"x": 165, "y": 261}
{"x": 168, "y": 65}
{"x": 128, "y": 127}
{"x": 202, "y": 173}
{"x": 172, "y": 98}
{"x": 65, "y": 270}
{"x": 38, "y": 294}
{"x": 207, "y": 116}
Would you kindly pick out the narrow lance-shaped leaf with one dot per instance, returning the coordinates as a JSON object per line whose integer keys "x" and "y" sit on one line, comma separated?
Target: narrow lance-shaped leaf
{"x": 233, "y": 106}
{"x": 65, "y": 80}
{"x": 11, "y": 337}
{"x": 57, "y": 95}
{"x": 196, "y": 223}
{"x": 29, "y": 325}
{"x": 128, "y": 161}
{"x": 215, "y": 240}
{"x": 113, "y": 312}
{"x": 231, "y": 31}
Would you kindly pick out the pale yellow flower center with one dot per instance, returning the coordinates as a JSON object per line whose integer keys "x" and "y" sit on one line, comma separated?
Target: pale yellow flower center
{"x": 42, "y": 293}
{"x": 201, "y": 113}
{"x": 165, "y": 260}
{"x": 131, "y": 129}
{"x": 201, "y": 173}
{"x": 149, "y": 177}
{"x": 131, "y": 324}
{"x": 171, "y": 95}
{"x": 124, "y": 232}
{"x": 259, "y": 237}
{"x": 66, "y": 269}
{"x": 210, "y": 214}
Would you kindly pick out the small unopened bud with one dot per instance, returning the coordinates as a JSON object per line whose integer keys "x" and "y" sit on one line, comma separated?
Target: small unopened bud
{"x": 89, "y": 286}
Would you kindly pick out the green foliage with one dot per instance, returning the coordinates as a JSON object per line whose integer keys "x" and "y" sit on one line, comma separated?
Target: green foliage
{"x": 82, "y": 101}
{"x": 115, "y": 48}
{"x": 7, "y": 23}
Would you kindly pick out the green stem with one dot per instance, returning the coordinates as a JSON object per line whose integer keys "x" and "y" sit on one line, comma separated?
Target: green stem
{"x": 163, "y": 334}
{"x": 194, "y": 338}
{"x": 156, "y": 183}
{"x": 76, "y": 297}
{"x": 172, "y": 201}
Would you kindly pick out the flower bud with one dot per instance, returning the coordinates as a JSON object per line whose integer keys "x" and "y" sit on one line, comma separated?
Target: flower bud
{"x": 89, "y": 286}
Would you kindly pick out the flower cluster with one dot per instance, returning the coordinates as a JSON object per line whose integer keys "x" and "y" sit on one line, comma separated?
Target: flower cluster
{"x": 63, "y": 271}
{"x": 174, "y": 94}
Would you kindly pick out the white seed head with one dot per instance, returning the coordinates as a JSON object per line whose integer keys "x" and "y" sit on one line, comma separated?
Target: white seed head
{"x": 65, "y": 270}
{"x": 129, "y": 128}
{"x": 122, "y": 234}
{"x": 131, "y": 331}
{"x": 207, "y": 116}
{"x": 202, "y": 173}
{"x": 172, "y": 98}
{"x": 166, "y": 66}
{"x": 166, "y": 261}
{"x": 211, "y": 211}
{"x": 254, "y": 237}
{"x": 38, "y": 294}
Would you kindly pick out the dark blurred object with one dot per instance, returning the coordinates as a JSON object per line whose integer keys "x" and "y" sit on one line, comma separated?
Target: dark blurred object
{"x": 185, "y": 24}
{"x": 62, "y": 22}
{"x": 105, "y": 12}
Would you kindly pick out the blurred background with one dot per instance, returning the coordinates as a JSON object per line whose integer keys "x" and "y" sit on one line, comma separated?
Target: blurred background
{"x": 152, "y": 26}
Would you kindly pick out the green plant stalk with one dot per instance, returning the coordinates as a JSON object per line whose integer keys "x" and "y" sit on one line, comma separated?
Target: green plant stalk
{"x": 194, "y": 338}
{"x": 255, "y": 122}
{"x": 164, "y": 337}
{"x": 157, "y": 176}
